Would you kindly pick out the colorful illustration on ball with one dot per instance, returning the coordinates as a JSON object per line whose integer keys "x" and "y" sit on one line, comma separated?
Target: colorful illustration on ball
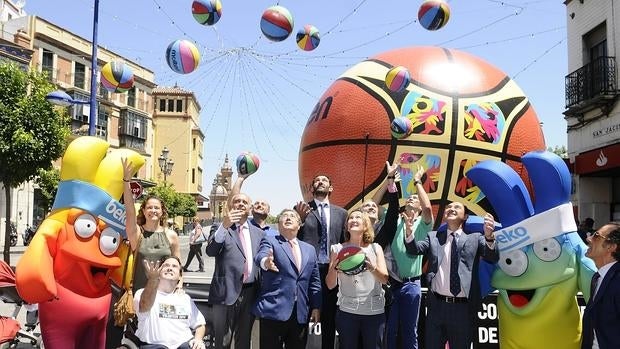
{"x": 276, "y": 23}
{"x": 463, "y": 110}
{"x": 207, "y": 12}
{"x": 117, "y": 77}
{"x": 247, "y": 163}
{"x": 182, "y": 56}
{"x": 401, "y": 127}
{"x": 308, "y": 38}
{"x": 433, "y": 14}
{"x": 397, "y": 79}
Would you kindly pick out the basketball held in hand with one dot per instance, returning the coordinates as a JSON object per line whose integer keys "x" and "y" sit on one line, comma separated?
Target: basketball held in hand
{"x": 247, "y": 163}
{"x": 352, "y": 260}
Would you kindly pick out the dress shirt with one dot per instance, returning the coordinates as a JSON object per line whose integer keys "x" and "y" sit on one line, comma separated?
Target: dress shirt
{"x": 441, "y": 281}
{"x": 220, "y": 236}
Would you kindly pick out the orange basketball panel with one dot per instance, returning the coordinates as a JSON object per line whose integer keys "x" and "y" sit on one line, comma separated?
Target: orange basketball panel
{"x": 344, "y": 165}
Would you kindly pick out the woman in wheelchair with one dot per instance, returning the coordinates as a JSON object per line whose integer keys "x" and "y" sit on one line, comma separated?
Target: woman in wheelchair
{"x": 167, "y": 319}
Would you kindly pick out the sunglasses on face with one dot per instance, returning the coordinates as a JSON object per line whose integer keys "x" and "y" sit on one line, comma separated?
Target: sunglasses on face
{"x": 597, "y": 235}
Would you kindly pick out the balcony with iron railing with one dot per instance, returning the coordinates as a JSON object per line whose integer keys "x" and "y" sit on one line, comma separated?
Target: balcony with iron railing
{"x": 592, "y": 86}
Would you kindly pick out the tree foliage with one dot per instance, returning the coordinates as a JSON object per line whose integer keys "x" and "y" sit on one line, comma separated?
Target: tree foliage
{"x": 47, "y": 180}
{"x": 178, "y": 204}
{"x": 559, "y": 150}
{"x": 32, "y": 133}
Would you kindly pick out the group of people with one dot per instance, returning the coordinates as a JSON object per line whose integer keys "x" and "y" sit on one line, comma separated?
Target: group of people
{"x": 291, "y": 281}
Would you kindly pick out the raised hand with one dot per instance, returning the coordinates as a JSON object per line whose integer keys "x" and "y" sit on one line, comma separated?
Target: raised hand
{"x": 152, "y": 268}
{"x": 127, "y": 169}
{"x": 489, "y": 227}
{"x": 270, "y": 263}
{"x": 391, "y": 168}
{"x": 232, "y": 217}
{"x": 303, "y": 209}
{"x": 408, "y": 220}
{"x": 419, "y": 173}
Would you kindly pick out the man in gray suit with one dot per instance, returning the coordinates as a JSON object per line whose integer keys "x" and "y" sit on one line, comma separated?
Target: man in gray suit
{"x": 454, "y": 291}
{"x": 235, "y": 284}
{"x": 323, "y": 226}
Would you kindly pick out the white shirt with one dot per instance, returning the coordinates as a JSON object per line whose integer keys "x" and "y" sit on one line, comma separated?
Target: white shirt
{"x": 170, "y": 320}
{"x": 441, "y": 281}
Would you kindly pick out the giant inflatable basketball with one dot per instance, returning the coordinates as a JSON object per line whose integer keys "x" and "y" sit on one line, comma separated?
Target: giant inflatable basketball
{"x": 464, "y": 110}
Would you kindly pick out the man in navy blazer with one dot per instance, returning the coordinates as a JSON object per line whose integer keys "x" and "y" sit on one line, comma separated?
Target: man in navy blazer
{"x": 601, "y": 318}
{"x": 290, "y": 292}
{"x": 323, "y": 225}
{"x": 234, "y": 285}
{"x": 453, "y": 299}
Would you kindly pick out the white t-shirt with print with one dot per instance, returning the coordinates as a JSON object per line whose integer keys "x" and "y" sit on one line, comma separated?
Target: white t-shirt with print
{"x": 170, "y": 321}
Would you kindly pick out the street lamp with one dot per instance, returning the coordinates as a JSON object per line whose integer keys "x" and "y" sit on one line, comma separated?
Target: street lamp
{"x": 165, "y": 164}
{"x": 64, "y": 101}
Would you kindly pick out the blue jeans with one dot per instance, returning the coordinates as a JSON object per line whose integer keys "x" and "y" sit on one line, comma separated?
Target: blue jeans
{"x": 403, "y": 316}
{"x": 352, "y": 327}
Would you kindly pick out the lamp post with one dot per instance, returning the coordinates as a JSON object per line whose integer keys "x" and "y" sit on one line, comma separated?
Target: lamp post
{"x": 63, "y": 99}
{"x": 165, "y": 164}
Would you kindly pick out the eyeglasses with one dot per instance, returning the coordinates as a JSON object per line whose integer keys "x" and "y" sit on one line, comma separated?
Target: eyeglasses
{"x": 597, "y": 235}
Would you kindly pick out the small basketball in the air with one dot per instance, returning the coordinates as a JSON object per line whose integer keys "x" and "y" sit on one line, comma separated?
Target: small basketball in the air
{"x": 352, "y": 260}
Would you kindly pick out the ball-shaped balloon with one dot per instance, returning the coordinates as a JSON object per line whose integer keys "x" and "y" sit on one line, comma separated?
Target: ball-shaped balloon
{"x": 434, "y": 14}
{"x": 463, "y": 110}
{"x": 351, "y": 260}
{"x": 116, "y": 77}
{"x": 276, "y": 23}
{"x": 247, "y": 163}
{"x": 401, "y": 127}
{"x": 182, "y": 56}
{"x": 207, "y": 12}
{"x": 397, "y": 79}
{"x": 308, "y": 38}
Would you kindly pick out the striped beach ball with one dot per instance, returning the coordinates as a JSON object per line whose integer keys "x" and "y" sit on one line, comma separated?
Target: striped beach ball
{"x": 433, "y": 14}
{"x": 397, "y": 78}
{"x": 276, "y": 23}
{"x": 247, "y": 163}
{"x": 116, "y": 77}
{"x": 308, "y": 38}
{"x": 207, "y": 12}
{"x": 182, "y": 56}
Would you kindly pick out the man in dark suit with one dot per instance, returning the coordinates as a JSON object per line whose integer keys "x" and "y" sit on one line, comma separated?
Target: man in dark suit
{"x": 323, "y": 225}
{"x": 234, "y": 284}
{"x": 290, "y": 293}
{"x": 454, "y": 291}
{"x": 601, "y": 318}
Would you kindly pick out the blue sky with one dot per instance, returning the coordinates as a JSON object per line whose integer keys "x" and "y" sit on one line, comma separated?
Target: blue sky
{"x": 256, "y": 95}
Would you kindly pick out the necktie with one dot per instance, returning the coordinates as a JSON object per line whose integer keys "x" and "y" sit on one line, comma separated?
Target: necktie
{"x": 245, "y": 252}
{"x": 296, "y": 254}
{"x": 323, "y": 239}
{"x": 455, "y": 280}
{"x": 595, "y": 278}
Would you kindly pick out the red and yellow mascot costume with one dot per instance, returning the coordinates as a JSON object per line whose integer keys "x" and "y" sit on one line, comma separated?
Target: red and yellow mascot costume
{"x": 68, "y": 265}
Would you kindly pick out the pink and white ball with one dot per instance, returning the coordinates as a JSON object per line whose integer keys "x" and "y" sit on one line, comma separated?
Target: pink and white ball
{"x": 397, "y": 79}
{"x": 182, "y": 56}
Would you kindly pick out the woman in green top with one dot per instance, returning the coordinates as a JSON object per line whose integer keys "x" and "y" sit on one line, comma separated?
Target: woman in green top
{"x": 146, "y": 230}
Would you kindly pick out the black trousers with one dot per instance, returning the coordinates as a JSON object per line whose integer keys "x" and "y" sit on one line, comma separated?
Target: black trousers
{"x": 195, "y": 250}
{"x": 328, "y": 310}
{"x": 287, "y": 334}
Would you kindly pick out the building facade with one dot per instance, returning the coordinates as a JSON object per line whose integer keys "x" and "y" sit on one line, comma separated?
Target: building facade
{"x": 176, "y": 128}
{"x": 220, "y": 189}
{"x": 592, "y": 110}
